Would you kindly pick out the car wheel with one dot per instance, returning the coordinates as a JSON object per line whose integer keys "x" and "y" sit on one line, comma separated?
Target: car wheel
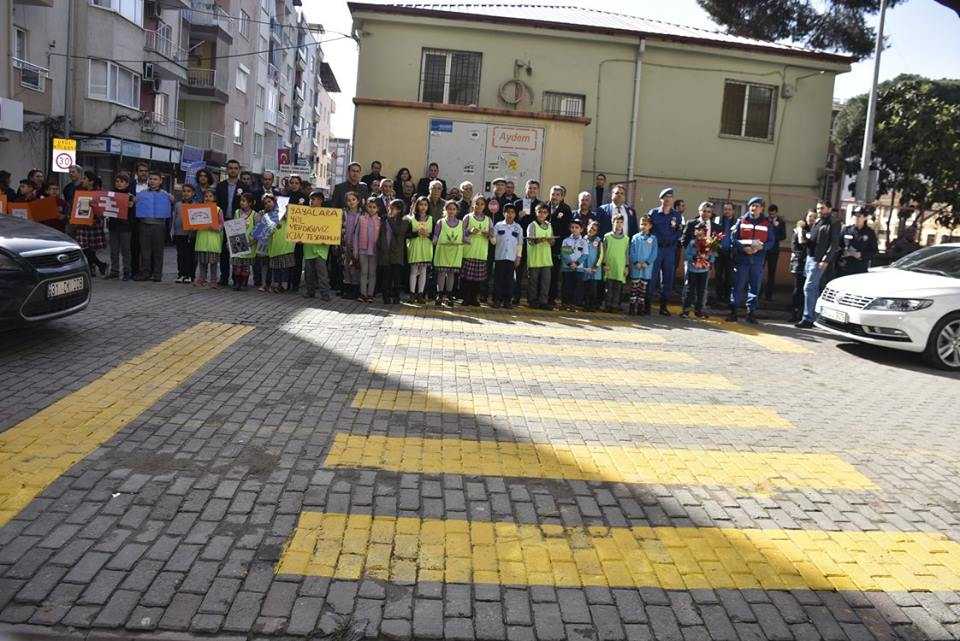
{"x": 943, "y": 346}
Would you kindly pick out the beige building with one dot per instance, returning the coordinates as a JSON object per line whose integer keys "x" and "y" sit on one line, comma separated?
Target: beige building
{"x": 562, "y": 94}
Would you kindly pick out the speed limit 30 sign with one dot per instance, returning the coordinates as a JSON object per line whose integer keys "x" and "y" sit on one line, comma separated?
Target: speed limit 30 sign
{"x": 64, "y": 154}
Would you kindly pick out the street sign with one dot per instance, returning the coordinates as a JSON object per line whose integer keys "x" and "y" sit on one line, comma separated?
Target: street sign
{"x": 64, "y": 154}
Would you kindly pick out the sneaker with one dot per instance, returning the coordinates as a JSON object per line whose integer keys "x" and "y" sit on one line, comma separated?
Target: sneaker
{"x": 804, "y": 324}
{"x": 186, "y": 279}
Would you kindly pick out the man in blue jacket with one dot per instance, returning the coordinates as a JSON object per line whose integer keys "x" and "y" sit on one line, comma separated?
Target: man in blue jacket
{"x": 723, "y": 268}
{"x": 750, "y": 239}
{"x": 667, "y": 227}
{"x": 154, "y": 208}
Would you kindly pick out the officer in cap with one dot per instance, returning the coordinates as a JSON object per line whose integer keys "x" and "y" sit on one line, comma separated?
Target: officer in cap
{"x": 858, "y": 243}
{"x": 750, "y": 239}
{"x": 667, "y": 228}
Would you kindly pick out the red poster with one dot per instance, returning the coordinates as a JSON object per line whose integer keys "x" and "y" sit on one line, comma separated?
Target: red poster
{"x": 198, "y": 216}
{"x": 44, "y": 209}
{"x": 82, "y": 211}
{"x": 3, "y": 204}
{"x": 112, "y": 204}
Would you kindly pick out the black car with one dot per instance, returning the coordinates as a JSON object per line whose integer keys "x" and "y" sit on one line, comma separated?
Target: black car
{"x": 43, "y": 273}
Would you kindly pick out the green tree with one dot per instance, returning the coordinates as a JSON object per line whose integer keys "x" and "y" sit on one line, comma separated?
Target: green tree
{"x": 916, "y": 145}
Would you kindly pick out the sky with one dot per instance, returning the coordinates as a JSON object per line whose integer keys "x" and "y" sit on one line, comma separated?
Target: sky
{"x": 921, "y": 38}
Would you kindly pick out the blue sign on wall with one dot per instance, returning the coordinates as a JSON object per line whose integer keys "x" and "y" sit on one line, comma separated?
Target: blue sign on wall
{"x": 441, "y": 126}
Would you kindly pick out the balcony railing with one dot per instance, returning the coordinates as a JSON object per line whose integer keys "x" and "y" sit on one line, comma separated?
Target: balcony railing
{"x": 207, "y": 14}
{"x": 204, "y": 139}
{"x": 202, "y": 78}
{"x": 166, "y": 47}
{"x": 160, "y": 124}
{"x": 31, "y": 76}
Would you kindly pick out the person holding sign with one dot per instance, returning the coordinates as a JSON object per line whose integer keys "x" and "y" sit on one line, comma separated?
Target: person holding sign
{"x": 93, "y": 236}
{"x": 182, "y": 238}
{"x": 280, "y": 251}
{"x": 393, "y": 248}
{"x": 207, "y": 246}
{"x": 448, "y": 255}
{"x": 315, "y": 260}
{"x": 241, "y": 261}
{"x": 539, "y": 258}
{"x": 419, "y": 248}
{"x": 476, "y": 235}
{"x": 119, "y": 229}
{"x": 154, "y": 208}
{"x": 351, "y": 264}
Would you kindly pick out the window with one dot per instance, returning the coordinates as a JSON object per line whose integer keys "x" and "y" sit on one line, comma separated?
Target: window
{"x": 132, "y": 10}
{"x": 244, "y": 24}
{"x": 108, "y": 81}
{"x": 451, "y": 77}
{"x": 160, "y": 107}
{"x": 749, "y": 111}
{"x": 31, "y": 76}
{"x": 19, "y": 43}
{"x": 257, "y": 145}
{"x": 243, "y": 76}
{"x": 261, "y": 96}
{"x": 563, "y": 104}
{"x": 237, "y": 132}
{"x": 289, "y": 73}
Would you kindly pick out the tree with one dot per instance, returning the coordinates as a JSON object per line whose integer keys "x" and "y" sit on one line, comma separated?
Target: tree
{"x": 916, "y": 145}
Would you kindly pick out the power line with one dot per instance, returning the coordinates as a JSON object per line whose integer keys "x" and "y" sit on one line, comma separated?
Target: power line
{"x": 252, "y": 21}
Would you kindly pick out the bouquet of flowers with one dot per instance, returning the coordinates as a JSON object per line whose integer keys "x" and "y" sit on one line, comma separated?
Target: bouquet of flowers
{"x": 702, "y": 259}
{"x": 713, "y": 243}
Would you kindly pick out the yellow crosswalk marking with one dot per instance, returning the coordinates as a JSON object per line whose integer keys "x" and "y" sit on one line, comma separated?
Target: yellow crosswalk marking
{"x": 407, "y": 550}
{"x": 754, "y": 471}
{"x": 518, "y": 347}
{"x": 419, "y": 369}
{"x": 35, "y": 452}
{"x": 527, "y": 329}
{"x": 572, "y": 409}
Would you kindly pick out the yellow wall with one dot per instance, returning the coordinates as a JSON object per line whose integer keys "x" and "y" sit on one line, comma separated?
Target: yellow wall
{"x": 678, "y": 140}
{"x": 398, "y": 138}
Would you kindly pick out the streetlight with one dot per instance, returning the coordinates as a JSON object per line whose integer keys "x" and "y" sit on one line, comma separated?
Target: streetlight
{"x": 863, "y": 179}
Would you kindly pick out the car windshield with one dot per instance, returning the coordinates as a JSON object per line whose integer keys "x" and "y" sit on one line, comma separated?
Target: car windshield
{"x": 941, "y": 260}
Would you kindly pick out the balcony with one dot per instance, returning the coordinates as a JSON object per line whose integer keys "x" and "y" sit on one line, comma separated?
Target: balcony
{"x": 298, "y": 94}
{"x": 161, "y": 125}
{"x": 29, "y": 86}
{"x": 208, "y": 16}
{"x": 204, "y": 140}
{"x": 206, "y": 84}
{"x": 161, "y": 44}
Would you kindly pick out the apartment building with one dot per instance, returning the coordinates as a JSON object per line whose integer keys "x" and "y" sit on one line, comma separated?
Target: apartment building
{"x": 341, "y": 155}
{"x": 161, "y": 80}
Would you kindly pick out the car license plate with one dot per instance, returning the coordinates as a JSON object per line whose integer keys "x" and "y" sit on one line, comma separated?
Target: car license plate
{"x": 65, "y": 287}
{"x": 834, "y": 315}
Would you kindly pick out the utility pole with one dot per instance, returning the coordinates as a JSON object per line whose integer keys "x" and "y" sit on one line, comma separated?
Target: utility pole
{"x": 68, "y": 74}
{"x": 863, "y": 180}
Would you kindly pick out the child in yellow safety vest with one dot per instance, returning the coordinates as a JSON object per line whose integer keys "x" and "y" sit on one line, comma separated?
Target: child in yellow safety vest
{"x": 539, "y": 258}
{"x": 448, "y": 253}
{"x": 616, "y": 247}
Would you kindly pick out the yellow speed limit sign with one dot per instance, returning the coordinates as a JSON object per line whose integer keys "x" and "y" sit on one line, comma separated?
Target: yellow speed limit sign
{"x": 64, "y": 154}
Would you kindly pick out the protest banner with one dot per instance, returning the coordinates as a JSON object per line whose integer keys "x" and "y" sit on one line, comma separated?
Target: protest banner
{"x": 112, "y": 204}
{"x": 314, "y": 225}
{"x": 35, "y": 210}
{"x": 3, "y": 204}
{"x": 237, "y": 241}
{"x": 82, "y": 212}
{"x": 199, "y": 216}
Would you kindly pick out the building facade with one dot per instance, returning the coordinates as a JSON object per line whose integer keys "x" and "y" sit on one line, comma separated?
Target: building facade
{"x": 161, "y": 81}
{"x": 341, "y": 154}
{"x": 563, "y": 94}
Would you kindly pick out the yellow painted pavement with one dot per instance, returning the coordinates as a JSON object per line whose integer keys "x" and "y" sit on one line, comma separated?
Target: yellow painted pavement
{"x": 408, "y": 549}
{"x": 526, "y": 329}
{"x": 517, "y": 347}
{"x": 572, "y": 409}
{"x": 401, "y": 365}
{"x": 35, "y": 452}
{"x": 754, "y": 471}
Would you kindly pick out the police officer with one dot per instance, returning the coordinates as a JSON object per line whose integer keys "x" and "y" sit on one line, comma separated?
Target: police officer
{"x": 750, "y": 240}
{"x": 667, "y": 227}
{"x": 858, "y": 244}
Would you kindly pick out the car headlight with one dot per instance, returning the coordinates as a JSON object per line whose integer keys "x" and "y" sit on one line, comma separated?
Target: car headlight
{"x": 899, "y": 304}
{"x": 8, "y": 264}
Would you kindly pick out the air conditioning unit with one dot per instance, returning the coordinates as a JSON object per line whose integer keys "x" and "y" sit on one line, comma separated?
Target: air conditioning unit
{"x": 154, "y": 10}
{"x": 148, "y": 74}
{"x": 148, "y": 124}
{"x": 155, "y": 85}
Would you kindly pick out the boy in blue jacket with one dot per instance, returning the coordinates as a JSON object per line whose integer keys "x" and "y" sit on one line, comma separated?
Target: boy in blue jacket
{"x": 697, "y": 258}
{"x": 643, "y": 253}
{"x": 573, "y": 254}
{"x": 592, "y": 273}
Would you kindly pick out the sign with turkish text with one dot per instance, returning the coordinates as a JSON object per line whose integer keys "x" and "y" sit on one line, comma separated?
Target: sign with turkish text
{"x": 200, "y": 216}
{"x": 64, "y": 154}
{"x": 112, "y": 204}
{"x": 314, "y": 225}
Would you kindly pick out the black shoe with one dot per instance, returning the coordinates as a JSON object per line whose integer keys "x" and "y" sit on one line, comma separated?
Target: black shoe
{"x": 664, "y": 311}
{"x": 804, "y": 324}
{"x": 732, "y": 317}
{"x": 752, "y": 319}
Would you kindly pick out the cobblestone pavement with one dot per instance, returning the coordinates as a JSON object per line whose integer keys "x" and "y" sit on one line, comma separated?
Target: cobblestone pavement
{"x": 178, "y": 462}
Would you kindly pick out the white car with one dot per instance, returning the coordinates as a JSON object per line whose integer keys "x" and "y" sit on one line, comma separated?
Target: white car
{"x": 912, "y": 305}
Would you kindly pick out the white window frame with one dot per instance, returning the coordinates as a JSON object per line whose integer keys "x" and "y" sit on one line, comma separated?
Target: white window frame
{"x": 563, "y": 97}
{"x": 261, "y": 96}
{"x": 111, "y": 91}
{"x": 771, "y": 124}
{"x": 161, "y": 107}
{"x": 237, "y": 127}
{"x": 20, "y": 37}
{"x": 32, "y": 77}
{"x": 131, "y": 10}
{"x": 243, "y": 78}
{"x": 257, "y": 145}
{"x": 243, "y": 24}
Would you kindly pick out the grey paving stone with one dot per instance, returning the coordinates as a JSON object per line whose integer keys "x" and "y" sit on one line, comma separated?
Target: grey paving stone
{"x": 243, "y": 612}
{"x": 117, "y": 610}
{"x": 428, "y": 619}
{"x": 548, "y": 622}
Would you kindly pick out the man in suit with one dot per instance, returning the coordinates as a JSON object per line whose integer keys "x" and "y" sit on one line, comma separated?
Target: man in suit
{"x": 527, "y": 205}
{"x": 433, "y": 173}
{"x": 618, "y": 205}
{"x": 228, "y": 200}
{"x": 560, "y": 217}
{"x": 352, "y": 183}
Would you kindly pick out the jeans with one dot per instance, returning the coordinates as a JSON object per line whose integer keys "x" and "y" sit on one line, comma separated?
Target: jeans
{"x": 368, "y": 275}
{"x": 120, "y": 248}
{"x": 152, "y": 237}
{"x": 315, "y": 275}
{"x": 591, "y": 293}
{"x": 811, "y": 289}
{"x": 538, "y": 286}
{"x": 503, "y": 271}
{"x": 570, "y": 293}
{"x": 695, "y": 290}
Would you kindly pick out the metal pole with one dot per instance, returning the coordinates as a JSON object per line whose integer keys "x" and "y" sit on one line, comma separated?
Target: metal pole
{"x": 634, "y": 118}
{"x": 863, "y": 180}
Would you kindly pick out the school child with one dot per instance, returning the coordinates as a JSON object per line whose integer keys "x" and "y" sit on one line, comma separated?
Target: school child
{"x": 366, "y": 241}
{"x": 476, "y": 235}
{"x": 280, "y": 253}
{"x": 643, "y": 252}
{"x": 260, "y": 248}
{"x": 349, "y": 261}
{"x": 420, "y": 248}
{"x": 539, "y": 258}
{"x": 394, "y": 230}
{"x": 507, "y": 250}
{"x": 315, "y": 257}
{"x": 154, "y": 209}
{"x": 573, "y": 256}
{"x": 241, "y": 264}
{"x": 184, "y": 240}
{"x": 592, "y": 268}
{"x": 207, "y": 244}
{"x": 52, "y": 190}
{"x": 616, "y": 246}
{"x": 698, "y": 259}
{"x": 89, "y": 237}
{"x": 448, "y": 252}
{"x": 119, "y": 232}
